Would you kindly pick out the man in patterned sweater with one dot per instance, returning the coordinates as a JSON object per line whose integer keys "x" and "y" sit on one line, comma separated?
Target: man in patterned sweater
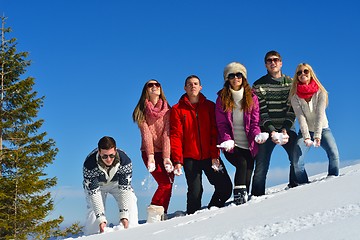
{"x": 108, "y": 170}
{"x": 276, "y": 117}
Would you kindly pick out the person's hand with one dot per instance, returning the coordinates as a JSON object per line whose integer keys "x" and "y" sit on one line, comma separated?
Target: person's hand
{"x": 151, "y": 163}
{"x": 177, "y": 169}
{"x": 308, "y": 142}
{"x": 285, "y": 139}
{"x": 317, "y": 142}
{"x": 168, "y": 165}
{"x": 216, "y": 165}
{"x": 228, "y": 145}
{"x": 125, "y": 222}
{"x": 261, "y": 137}
{"x": 275, "y": 137}
{"x": 102, "y": 227}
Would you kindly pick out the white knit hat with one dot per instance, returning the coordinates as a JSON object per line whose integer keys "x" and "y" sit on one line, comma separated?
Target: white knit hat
{"x": 234, "y": 67}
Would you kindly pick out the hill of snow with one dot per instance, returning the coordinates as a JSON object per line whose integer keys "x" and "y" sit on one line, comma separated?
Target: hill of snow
{"x": 327, "y": 208}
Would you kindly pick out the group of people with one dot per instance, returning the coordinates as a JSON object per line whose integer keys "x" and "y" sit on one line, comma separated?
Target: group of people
{"x": 245, "y": 123}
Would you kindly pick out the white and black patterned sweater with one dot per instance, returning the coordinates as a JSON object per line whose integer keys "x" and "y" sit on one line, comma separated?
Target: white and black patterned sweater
{"x": 96, "y": 174}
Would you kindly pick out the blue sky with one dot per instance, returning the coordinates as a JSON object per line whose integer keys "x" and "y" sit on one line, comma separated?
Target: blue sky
{"x": 91, "y": 59}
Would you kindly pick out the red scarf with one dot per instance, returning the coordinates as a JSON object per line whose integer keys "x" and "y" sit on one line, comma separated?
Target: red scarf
{"x": 306, "y": 91}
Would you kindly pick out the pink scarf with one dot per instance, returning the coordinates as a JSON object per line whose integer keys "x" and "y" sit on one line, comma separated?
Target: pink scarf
{"x": 155, "y": 112}
{"x": 306, "y": 91}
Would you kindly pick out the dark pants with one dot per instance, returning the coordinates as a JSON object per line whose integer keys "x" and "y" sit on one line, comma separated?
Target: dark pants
{"x": 220, "y": 180}
{"x": 262, "y": 163}
{"x": 243, "y": 162}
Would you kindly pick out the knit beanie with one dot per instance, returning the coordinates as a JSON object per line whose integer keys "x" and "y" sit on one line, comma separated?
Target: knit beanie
{"x": 234, "y": 67}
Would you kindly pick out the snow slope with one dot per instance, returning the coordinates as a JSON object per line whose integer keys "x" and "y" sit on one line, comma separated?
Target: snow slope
{"x": 327, "y": 208}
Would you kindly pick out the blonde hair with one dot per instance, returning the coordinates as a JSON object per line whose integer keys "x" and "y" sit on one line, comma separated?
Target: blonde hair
{"x": 139, "y": 111}
{"x": 312, "y": 75}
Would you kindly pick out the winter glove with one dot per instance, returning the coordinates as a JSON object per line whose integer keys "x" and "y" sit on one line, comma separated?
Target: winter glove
{"x": 261, "y": 137}
{"x": 168, "y": 165}
{"x": 228, "y": 145}
{"x": 151, "y": 163}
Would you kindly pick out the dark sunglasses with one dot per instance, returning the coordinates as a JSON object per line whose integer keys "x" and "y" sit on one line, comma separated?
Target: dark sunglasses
{"x": 233, "y": 75}
{"x": 270, "y": 60}
{"x": 105, "y": 156}
{"x": 306, "y": 71}
{"x": 150, "y": 85}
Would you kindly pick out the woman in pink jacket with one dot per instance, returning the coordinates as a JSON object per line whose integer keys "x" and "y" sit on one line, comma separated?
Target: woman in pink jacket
{"x": 153, "y": 118}
{"x": 237, "y": 119}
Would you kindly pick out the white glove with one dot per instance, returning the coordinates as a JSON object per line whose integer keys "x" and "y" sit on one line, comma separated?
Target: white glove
{"x": 227, "y": 145}
{"x": 168, "y": 165}
{"x": 261, "y": 137}
{"x": 151, "y": 163}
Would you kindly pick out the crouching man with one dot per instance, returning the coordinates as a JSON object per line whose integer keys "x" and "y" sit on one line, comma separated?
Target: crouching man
{"x": 108, "y": 170}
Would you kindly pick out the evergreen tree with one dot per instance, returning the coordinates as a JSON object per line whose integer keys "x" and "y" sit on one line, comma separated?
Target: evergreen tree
{"x": 25, "y": 199}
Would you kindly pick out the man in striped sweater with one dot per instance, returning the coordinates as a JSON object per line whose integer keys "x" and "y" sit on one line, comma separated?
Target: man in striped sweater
{"x": 276, "y": 117}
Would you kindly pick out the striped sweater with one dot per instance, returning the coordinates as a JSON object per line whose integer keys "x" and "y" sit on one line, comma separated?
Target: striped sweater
{"x": 276, "y": 112}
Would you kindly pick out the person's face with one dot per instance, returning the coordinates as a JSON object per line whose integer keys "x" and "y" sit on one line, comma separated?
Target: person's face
{"x": 235, "y": 80}
{"x": 273, "y": 64}
{"x": 107, "y": 155}
{"x": 153, "y": 88}
{"x": 303, "y": 75}
{"x": 192, "y": 87}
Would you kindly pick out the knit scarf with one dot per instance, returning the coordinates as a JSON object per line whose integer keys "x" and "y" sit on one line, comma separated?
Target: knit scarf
{"x": 155, "y": 112}
{"x": 306, "y": 91}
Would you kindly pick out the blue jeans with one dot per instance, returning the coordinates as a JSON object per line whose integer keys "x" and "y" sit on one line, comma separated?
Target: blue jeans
{"x": 262, "y": 163}
{"x": 327, "y": 143}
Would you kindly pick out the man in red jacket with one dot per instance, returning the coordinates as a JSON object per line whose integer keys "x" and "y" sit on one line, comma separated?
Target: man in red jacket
{"x": 193, "y": 138}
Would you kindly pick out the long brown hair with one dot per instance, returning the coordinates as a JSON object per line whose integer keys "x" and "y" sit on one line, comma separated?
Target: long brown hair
{"x": 139, "y": 111}
{"x": 228, "y": 100}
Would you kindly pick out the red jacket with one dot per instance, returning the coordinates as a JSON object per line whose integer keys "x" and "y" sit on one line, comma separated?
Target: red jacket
{"x": 193, "y": 132}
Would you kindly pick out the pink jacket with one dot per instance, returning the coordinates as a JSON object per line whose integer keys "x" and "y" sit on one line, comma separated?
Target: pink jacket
{"x": 224, "y": 122}
{"x": 155, "y": 131}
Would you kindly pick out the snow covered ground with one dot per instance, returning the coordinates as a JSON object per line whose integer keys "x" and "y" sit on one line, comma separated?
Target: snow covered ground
{"x": 327, "y": 208}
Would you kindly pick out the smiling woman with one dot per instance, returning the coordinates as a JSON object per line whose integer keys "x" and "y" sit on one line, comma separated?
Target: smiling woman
{"x": 309, "y": 99}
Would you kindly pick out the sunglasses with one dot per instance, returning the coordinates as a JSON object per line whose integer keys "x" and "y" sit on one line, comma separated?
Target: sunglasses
{"x": 306, "y": 71}
{"x": 233, "y": 75}
{"x": 105, "y": 156}
{"x": 150, "y": 85}
{"x": 270, "y": 60}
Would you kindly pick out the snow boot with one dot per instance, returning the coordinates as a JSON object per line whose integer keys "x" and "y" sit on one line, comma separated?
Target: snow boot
{"x": 240, "y": 195}
{"x": 155, "y": 213}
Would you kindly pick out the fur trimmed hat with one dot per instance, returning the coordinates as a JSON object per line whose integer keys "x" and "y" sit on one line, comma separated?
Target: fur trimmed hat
{"x": 234, "y": 67}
